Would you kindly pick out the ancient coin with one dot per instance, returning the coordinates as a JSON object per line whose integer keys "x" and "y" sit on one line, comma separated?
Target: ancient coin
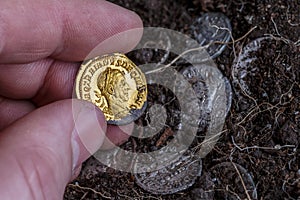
{"x": 194, "y": 76}
{"x": 115, "y": 84}
{"x": 179, "y": 175}
{"x": 154, "y": 48}
{"x": 243, "y": 65}
{"x": 212, "y": 27}
{"x": 232, "y": 181}
{"x": 264, "y": 73}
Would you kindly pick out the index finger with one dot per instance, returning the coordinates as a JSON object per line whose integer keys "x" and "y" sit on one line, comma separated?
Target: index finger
{"x": 66, "y": 30}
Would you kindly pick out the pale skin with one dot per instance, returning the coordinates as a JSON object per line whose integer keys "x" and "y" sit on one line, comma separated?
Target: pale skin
{"x": 41, "y": 43}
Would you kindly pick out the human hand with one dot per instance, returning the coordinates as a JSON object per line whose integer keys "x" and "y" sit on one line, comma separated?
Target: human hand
{"x": 45, "y": 136}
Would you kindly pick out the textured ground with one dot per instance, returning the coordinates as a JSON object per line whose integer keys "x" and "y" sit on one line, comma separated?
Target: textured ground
{"x": 259, "y": 147}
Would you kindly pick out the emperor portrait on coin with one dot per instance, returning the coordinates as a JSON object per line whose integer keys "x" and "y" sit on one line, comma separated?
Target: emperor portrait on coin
{"x": 115, "y": 85}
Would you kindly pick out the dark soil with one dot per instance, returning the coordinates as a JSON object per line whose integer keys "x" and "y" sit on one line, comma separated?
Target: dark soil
{"x": 260, "y": 144}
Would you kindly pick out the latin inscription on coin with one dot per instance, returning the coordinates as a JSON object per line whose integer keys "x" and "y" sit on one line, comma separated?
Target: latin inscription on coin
{"x": 115, "y": 84}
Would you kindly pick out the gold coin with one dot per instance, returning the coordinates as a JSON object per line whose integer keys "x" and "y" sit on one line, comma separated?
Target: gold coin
{"x": 114, "y": 84}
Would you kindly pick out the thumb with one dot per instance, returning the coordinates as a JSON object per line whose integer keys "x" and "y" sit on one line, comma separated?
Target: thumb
{"x": 41, "y": 152}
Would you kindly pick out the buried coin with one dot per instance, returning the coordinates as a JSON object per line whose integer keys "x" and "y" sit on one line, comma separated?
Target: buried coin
{"x": 264, "y": 73}
{"x": 212, "y": 27}
{"x": 177, "y": 176}
{"x": 232, "y": 181}
{"x": 115, "y": 85}
{"x": 195, "y": 77}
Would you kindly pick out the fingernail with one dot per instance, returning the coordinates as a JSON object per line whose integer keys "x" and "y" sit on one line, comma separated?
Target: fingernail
{"x": 88, "y": 134}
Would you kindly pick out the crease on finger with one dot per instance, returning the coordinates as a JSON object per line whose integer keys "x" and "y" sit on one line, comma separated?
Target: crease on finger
{"x": 12, "y": 110}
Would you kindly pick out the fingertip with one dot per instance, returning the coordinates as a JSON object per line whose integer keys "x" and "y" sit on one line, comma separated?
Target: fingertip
{"x": 89, "y": 131}
{"x": 113, "y": 29}
{"x": 64, "y": 30}
{"x": 116, "y": 135}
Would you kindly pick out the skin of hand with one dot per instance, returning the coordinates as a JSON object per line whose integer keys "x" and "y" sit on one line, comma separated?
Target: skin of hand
{"x": 44, "y": 134}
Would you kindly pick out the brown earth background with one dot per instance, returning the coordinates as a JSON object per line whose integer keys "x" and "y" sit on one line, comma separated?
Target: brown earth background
{"x": 261, "y": 133}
